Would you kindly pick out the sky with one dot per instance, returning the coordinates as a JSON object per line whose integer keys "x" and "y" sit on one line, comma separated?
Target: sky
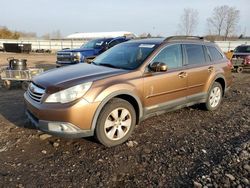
{"x": 159, "y": 17}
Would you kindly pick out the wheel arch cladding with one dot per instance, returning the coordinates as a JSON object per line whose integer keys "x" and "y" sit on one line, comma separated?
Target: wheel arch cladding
{"x": 133, "y": 102}
{"x": 128, "y": 96}
{"x": 221, "y": 81}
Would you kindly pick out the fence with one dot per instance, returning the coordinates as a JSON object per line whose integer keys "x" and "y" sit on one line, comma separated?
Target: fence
{"x": 55, "y": 45}
{"x": 230, "y": 45}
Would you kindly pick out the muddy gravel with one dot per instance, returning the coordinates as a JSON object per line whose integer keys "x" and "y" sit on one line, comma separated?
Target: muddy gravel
{"x": 185, "y": 148}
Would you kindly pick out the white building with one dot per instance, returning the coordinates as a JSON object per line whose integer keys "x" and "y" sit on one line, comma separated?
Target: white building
{"x": 100, "y": 35}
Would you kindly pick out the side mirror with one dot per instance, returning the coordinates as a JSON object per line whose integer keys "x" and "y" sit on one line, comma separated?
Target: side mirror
{"x": 158, "y": 67}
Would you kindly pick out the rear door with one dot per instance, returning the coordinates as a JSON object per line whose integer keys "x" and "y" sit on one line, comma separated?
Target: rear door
{"x": 198, "y": 70}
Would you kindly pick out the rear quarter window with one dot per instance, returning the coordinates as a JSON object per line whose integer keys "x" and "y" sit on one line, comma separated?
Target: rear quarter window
{"x": 214, "y": 54}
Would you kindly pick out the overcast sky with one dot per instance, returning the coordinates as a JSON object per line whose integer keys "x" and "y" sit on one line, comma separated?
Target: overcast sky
{"x": 138, "y": 16}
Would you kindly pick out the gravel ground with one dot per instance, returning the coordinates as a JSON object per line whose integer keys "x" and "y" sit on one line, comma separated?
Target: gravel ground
{"x": 186, "y": 148}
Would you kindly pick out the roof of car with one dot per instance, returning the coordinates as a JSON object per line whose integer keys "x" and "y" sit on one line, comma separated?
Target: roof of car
{"x": 163, "y": 40}
{"x": 147, "y": 40}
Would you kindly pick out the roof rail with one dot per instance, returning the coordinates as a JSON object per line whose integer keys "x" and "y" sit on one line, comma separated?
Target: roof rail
{"x": 183, "y": 37}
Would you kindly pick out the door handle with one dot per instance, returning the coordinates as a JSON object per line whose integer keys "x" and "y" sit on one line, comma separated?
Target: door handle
{"x": 210, "y": 69}
{"x": 182, "y": 75}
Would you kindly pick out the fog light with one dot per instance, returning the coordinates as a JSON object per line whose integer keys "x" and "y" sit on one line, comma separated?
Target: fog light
{"x": 62, "y": 127}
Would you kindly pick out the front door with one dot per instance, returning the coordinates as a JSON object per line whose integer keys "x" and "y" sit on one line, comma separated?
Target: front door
{"x": 166, "y": 89}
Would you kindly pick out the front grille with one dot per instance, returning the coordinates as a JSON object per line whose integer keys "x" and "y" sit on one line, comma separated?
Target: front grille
{"x": 35, "y": 93}
{"x": 64, "y": 56}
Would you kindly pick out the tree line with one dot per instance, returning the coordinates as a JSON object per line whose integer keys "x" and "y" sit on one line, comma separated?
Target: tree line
{"x": 221, "y": 25}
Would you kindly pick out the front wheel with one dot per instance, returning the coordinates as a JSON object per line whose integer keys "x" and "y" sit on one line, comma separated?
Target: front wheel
{"x": 7, "y": 84}
{"x": 116, "y": 122}
{"x": 214, "y": 97}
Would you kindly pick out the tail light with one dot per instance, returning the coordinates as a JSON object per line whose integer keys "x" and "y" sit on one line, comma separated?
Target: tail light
{"x": 247, "y": 60}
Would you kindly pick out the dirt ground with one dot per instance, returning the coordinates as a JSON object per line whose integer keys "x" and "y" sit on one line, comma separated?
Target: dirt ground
{"x": 186, "y": 148}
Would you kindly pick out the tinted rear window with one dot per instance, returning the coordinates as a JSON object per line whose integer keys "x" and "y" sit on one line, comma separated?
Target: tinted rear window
{"x": 195, "y": 54}
{"x": 242, "y": 49}
{"x": 214, "y": 53}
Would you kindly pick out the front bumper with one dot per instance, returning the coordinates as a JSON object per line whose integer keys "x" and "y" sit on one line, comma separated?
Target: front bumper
{"x": 67, "y": 120}
{"x": 56, "y": 128}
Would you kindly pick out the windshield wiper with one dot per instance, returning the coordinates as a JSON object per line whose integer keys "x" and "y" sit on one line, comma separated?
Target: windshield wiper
{"x": 107, "y": 65}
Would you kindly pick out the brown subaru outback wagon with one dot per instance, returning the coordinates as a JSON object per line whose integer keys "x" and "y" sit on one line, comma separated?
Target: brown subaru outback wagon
{"x": 126, "y": 84}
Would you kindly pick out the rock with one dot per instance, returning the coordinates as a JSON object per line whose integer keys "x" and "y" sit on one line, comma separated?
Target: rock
{"x": 204, "y": 151}
{"x": 147, "y": 151}
{"x": 44, "y": 136}
{"x": 3, "y": 149}
{"x": 197, "y": 185}
{"x": 131, "y": 144}
{"x": 44, "y": 151}
{"x": 101, "y": 160}
{"x": 215, "y": 172}
{"x": 230, "y": 176}
{"x": 245, "y": 181}
{"x": 247, "y": 167}
{"x": 244, "y": 155}
{"x": 55, "y": 144}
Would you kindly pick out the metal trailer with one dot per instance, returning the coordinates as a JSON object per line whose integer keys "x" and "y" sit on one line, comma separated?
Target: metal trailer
{"x": 8, "y": 76}
{"x": 239, "y": 65}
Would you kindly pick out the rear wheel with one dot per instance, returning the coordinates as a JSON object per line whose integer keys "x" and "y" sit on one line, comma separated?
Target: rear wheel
{"x": 214, "y": 97}
{"x": 116, "y": 122}
{"x": 239, "y": 69}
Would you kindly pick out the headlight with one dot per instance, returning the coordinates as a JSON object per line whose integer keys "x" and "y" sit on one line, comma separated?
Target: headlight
{"x": 77, "y": 56}
{"x": 69, "y": 94}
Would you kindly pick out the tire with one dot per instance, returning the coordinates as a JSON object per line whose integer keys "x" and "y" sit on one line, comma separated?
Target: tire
{"x": 239, "y": 69}
{"x": 111, "y": 128}
{"x": 7, "y": 84}
{"x": 214, "y": 97}
{"x": 25, "y": 85}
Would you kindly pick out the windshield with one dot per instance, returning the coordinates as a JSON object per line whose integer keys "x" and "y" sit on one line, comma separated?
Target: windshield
{"x": 125, "y": 55}
{"x": 242, "y": 49}
{"x": 93, "y": 44}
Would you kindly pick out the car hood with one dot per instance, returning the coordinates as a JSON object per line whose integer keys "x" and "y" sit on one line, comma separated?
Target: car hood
{"x": 65, "y": 77}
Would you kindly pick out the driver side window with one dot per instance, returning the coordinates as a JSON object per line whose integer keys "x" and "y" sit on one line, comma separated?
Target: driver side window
{"x": 171, "y": 56}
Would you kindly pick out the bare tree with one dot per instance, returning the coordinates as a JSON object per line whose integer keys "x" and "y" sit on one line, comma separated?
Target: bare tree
{"x": 216, "y": 23}
{"x": 232, "y": 20}
{"x": 223, "y": 21}
{"x": 188, "y": 21}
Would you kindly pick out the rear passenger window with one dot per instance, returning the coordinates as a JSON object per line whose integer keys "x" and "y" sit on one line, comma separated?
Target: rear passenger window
{"x": 195, "y": 54}
{"x": 214, "y": 53}
{"x": 171, "y": 56}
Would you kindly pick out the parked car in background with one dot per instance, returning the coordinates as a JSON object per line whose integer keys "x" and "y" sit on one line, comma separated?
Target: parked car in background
{"x": 126, "y": 84}
{"x": 87, "y": 52}
{"x": 241, "y": 58}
